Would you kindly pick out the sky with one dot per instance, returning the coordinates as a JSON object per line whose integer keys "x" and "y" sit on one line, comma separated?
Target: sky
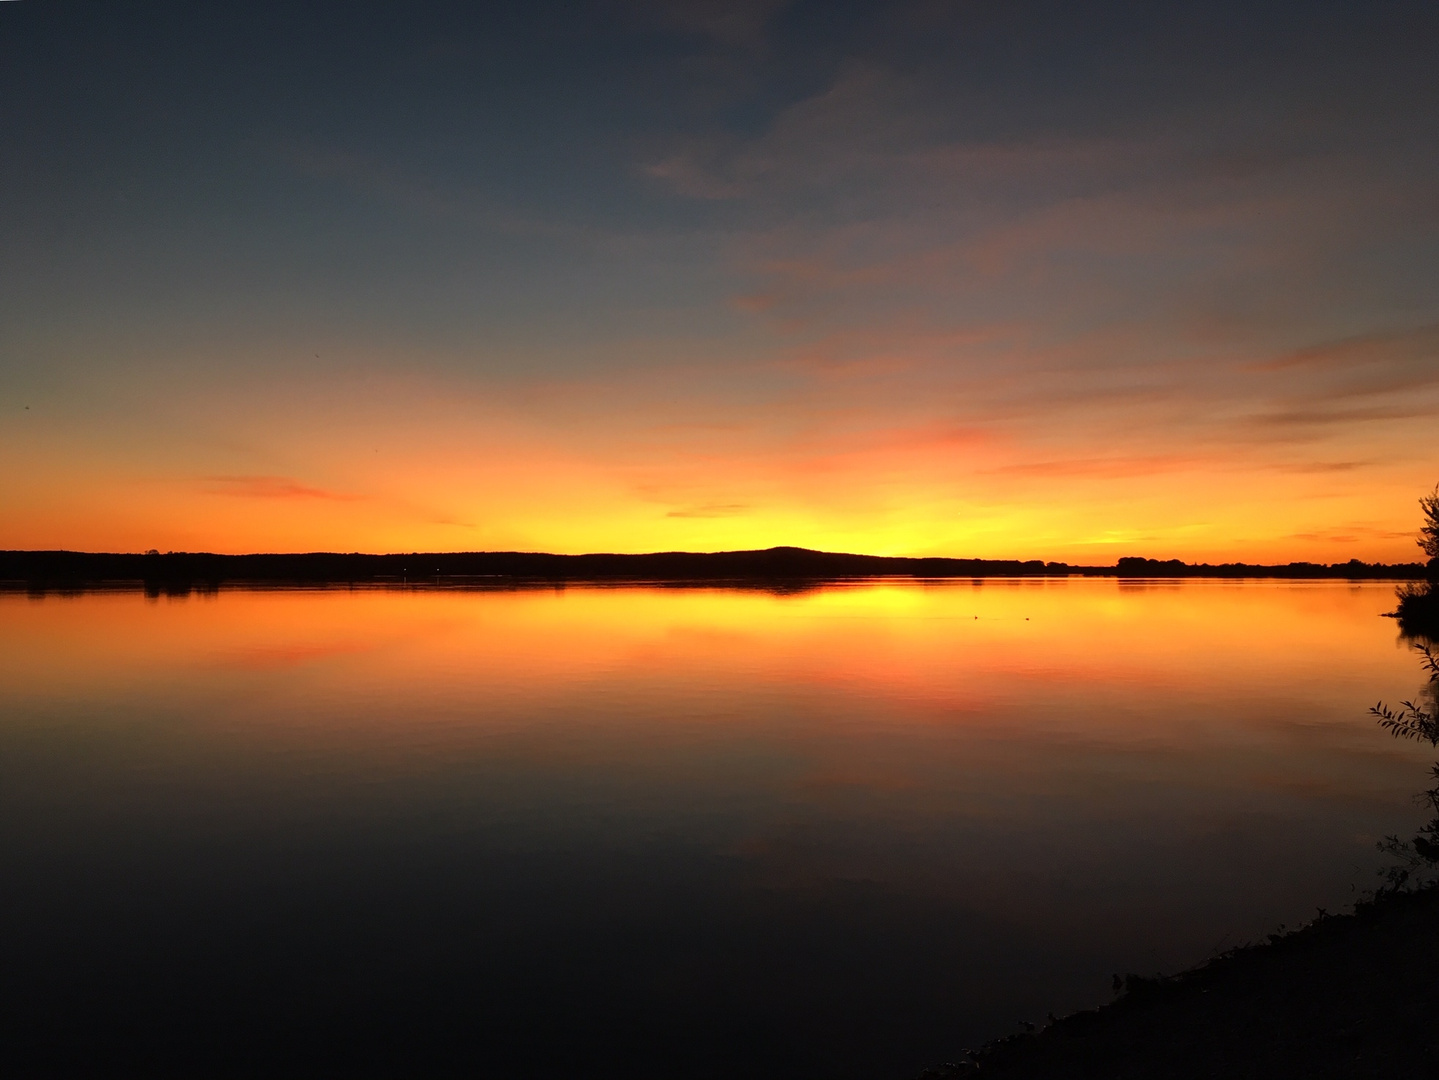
{"x": 1029, "y": 280}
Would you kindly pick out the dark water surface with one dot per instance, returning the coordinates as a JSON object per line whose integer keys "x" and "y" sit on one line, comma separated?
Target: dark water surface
{"x": 662, "y": 832}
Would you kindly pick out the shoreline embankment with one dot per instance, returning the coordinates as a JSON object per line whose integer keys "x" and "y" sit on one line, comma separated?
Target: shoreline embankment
{"x": 1351, "y": 996}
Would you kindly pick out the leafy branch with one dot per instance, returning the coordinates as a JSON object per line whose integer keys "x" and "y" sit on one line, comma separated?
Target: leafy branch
{"x": 1416, "y": 858}
{"x": 1411, "y": 720}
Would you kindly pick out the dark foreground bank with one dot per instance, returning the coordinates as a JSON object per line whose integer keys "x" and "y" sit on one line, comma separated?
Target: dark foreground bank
{"x": 1352, "y": 996}
{"x": 180, "y": 570}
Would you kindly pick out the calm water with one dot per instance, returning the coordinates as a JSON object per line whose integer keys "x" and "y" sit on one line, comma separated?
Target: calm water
{"x": 663, "y": 832}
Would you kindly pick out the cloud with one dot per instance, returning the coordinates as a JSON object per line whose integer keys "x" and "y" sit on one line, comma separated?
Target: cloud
{"x": 688, "y": 177}
{"x": 412, "y": 191}
{"x": 710, "y": 510}
{"x": 859, "y": 125}
{"x": 741, "y": 23}
{"x": 1345, "y": 416}
{"x": 1352, "y": 533}
{"x": 1382, "y": 376}
{"x": 1307, "y": 467}
{"x": 1412, "y": 345}
{"x": 1105, "y": 468}
{"x": 270, "y": 487}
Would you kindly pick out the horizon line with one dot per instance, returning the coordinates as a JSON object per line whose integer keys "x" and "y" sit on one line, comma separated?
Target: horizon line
{"x": 776, "y": 551}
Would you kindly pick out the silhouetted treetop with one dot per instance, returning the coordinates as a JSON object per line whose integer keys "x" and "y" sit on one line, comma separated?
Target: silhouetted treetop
{"x": 1429, "y": 531}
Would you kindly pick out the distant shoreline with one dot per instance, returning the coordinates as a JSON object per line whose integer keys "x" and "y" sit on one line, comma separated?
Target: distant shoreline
{"x": 74, "y": 569}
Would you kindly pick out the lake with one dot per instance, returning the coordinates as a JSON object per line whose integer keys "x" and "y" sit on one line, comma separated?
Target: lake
{"x": 663, "y": 832}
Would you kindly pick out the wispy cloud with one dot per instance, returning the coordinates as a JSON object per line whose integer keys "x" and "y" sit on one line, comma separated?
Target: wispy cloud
{"x": 270, "y": 487}
{"x": 1106, "y": 468}
{"x": 710, "y": 510}
{"x": 1353, "y": 533}
{"x": 1411, "y": 346}
{"x": 741, "y": 23}
{"x": 1320, "y": 467}
{"x": 422, "y": 192}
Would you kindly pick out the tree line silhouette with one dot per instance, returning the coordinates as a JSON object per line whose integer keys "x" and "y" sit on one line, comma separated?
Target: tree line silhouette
{"x": 180, "y": 571}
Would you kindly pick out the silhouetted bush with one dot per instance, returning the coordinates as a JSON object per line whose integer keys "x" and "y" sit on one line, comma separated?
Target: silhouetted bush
{"x": 1418, "y": 609}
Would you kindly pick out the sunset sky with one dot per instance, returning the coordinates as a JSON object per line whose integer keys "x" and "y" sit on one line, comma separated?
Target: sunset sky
{"x": 1036, "y": 280}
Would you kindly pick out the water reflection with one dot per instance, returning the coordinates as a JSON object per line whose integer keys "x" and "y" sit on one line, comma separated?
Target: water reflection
{"x": 661, "y": 832}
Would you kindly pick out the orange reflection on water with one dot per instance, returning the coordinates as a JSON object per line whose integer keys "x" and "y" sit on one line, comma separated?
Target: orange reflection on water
{"x": 1136, "y": 768}
{"x": 835, "y": 679}
{"x": 950, "y": 645}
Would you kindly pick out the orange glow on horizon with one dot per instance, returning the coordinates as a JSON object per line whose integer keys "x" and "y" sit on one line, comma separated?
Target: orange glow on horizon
{"x": 457, "y": 483}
